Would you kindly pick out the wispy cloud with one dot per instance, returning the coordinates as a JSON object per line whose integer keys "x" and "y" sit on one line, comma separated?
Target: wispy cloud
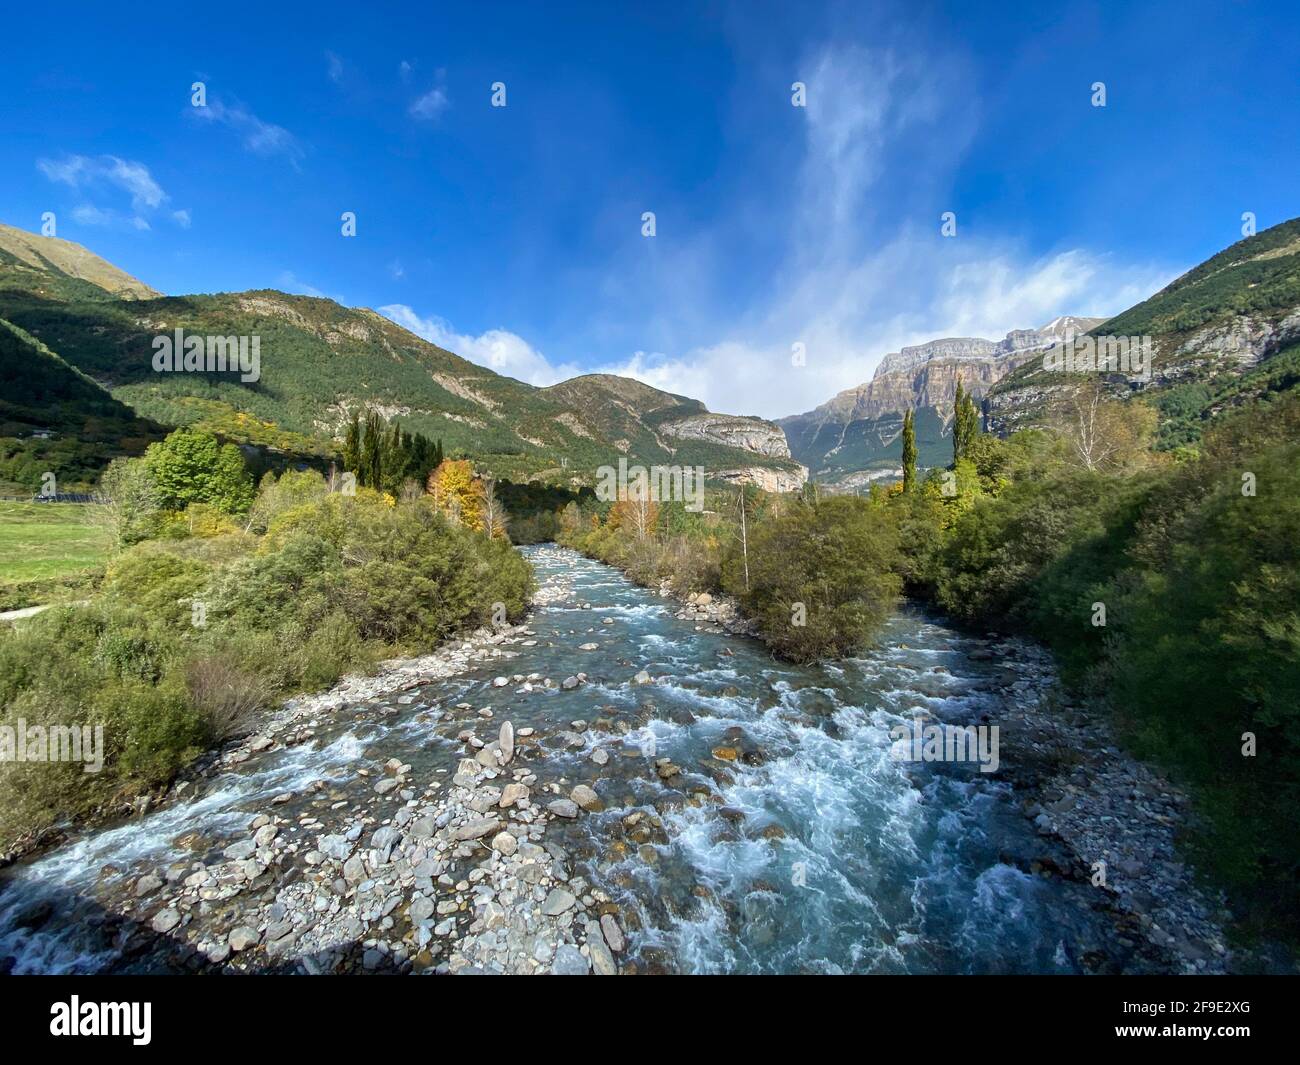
{"x": 260, "y": 137}
{"x": 498, "y": 349}
{"x": 431, "y": 105}
{"x": 108, "y": 176}
{"x": 84, "y": 172}
{"x": 881, "y": 126}
{"x": 334, "y": 67}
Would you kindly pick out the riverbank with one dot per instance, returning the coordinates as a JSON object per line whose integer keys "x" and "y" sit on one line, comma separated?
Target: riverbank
{"x": 612, "y": 787}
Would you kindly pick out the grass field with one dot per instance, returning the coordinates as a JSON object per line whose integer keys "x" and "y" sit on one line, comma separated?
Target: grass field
{"x": 46, "y": 549}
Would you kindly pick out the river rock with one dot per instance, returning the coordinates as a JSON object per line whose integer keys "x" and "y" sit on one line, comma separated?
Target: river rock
{"x": 505, "y": 843}
{"x": 557, "y": 902}
{"x": 602, "y": 961}
{"x": 237, "y": 852}
{"x": 585, "y": 797}
{"x": 165, "y": 920}
{"x": 477, "y": 829}
{"x": 613, "y": 934}
{"x": 147, "y": 885}
{"x": 512, "y": 794}
{"x": 242, "y": 938}
{"x": 506, "y": 740}
{"x": 563, "y": 808}
{"x": 569, "y": 961}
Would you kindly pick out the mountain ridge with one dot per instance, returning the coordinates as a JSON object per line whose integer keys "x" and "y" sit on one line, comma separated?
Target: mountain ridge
{"x": 320, "y": 361}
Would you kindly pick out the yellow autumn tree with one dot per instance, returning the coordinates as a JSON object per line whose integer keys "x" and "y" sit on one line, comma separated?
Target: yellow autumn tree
{"x": 457, "y": 492}
{"x": 636, "y": 512}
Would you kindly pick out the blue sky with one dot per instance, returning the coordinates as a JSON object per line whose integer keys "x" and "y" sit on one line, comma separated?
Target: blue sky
{"x": 513, "y": 235}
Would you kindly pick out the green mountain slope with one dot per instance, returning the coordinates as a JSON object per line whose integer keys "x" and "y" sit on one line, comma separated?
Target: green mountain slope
{"x": 320, "y": 361}
{"x": 55, "y": 419}
{"x": 53, "y": 268}
{"x": 1221, "y": 334}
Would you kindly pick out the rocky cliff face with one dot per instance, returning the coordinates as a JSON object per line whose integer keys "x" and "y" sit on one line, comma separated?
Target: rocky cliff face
{"x": 748, "y": 434}
{"x": 770, "y": 480}
{"x": 857, "y": 430}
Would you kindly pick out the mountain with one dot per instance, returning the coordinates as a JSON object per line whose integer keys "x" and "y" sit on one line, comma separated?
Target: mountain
{"x": 1221, "y": 334}
{"x": 854, "y": 437}
{"x": 53, "y": 418}
{"x": 320, "y": 361}
{"x": 53, "y": 268}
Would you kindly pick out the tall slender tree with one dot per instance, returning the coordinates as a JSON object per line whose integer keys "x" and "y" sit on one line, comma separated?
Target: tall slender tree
{"x": 965, "y": 422}
{"x": 352, "y": 444}
{"x": 909, "y": 452}
{"x": 371, "y": 473}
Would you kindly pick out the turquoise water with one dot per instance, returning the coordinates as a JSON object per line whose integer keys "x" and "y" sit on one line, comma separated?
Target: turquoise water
{"x": 813, "y": 851}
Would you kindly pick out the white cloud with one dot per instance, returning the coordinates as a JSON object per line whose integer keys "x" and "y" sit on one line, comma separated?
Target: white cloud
{"x": 334, "y": 67}
{"x": 90, "y": 215}
{"x": 106, "y": 171}
{"x": 882, "y": 126}
{"x": 848, "y": 322}
{"x": 105, "y": 176}
{"x": 499, "y": 350}
{"x": 259, "y": 137}
{"x": 430, "y": 106}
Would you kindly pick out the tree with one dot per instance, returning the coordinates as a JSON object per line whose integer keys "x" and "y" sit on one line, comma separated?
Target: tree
{"x": 457, "y": 492}
{"x": 965, "y": 422}
{"x": 744, "y": 534}
{"x": 1103, "y": 433}
{"x": 371, "y": 470}
{"x": 352, "y": 445}
{"x": 496, "y": 521}
{"x": 635, "y": 511}
{"x": 127, "y": 501}
{"x": 824, "y": 578}
{"x": 909, "y": 452}
{"x": 194, "y": 467}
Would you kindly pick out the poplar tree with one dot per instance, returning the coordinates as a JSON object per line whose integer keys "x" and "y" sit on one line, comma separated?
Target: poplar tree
{"x": 909, "y": 452}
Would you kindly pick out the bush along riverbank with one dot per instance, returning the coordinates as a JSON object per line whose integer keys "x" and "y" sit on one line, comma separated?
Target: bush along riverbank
{"x": 220, "y": 600}
{"x": 1166, "y": 585}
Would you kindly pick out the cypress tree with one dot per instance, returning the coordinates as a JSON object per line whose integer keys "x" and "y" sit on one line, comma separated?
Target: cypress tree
{"x": 352, "y": 444}
{"x": 958, "y": 426}
{"x": 909, "y": 452}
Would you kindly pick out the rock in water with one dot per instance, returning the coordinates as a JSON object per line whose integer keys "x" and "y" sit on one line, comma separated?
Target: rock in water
{"x": 602, "y": 961}
{"x": 612, "y": 933}
{"x": 506, "y": 738}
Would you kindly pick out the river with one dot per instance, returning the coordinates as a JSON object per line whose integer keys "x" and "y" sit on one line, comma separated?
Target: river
{"x": 801, "y": 846}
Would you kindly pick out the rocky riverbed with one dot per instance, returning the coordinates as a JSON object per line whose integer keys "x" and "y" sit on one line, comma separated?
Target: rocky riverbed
{"x": 625, "y": 786}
